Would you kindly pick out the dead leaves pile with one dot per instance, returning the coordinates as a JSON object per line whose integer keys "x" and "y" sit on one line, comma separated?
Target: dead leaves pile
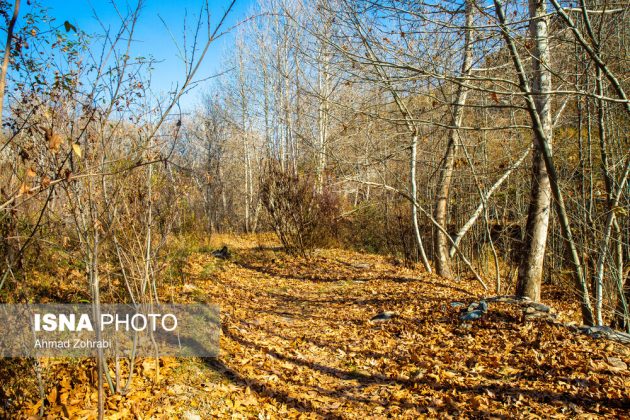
{"x": 71, "y": 391}
{"x": 296, "y": 342}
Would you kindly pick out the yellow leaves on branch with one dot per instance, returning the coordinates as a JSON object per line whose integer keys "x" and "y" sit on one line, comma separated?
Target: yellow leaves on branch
{"x": 77, "y": 150}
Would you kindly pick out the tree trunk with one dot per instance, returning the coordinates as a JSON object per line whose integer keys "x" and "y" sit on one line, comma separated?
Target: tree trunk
{"x": 530, "y": 271}
{"x": 324, "y": 91}
{"x": 247, "y": 175}
{"x": 414, "y": 196}
{"x": 7, "y": 54}
{"x": 442, "y": 242}
{"x": 544, "y": 147}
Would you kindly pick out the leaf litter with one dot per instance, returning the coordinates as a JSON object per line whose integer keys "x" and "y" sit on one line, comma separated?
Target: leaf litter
{"x": 298, "y": 342}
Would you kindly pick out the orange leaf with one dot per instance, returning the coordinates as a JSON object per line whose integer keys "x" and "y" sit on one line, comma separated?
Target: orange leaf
{"x": 52, "y": 396}
{"x": 54, "y": 142}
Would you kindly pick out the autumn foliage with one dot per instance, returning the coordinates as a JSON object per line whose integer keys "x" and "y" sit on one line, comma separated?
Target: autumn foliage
{"x": 297, "y": 343}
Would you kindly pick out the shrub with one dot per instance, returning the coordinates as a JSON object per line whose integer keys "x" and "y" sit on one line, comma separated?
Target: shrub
{"x": 302, "y": 217}
{"x": 383, "y": 228}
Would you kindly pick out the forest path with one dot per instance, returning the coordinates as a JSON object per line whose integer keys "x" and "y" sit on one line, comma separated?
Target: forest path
{"x": 297, "y": 342}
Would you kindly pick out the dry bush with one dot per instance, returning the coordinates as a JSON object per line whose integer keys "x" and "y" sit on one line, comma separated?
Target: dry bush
{"x": 382, "y": 228}
{"x": 302, "y": 217}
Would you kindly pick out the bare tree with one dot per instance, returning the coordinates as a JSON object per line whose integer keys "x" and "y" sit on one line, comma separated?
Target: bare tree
{"x": 7, "y": 53}
{"x": 442, "y": 257}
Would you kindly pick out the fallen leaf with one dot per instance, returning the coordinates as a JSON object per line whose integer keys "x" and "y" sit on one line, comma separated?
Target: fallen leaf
{"x": 616, "y": 364}
{"x": 52, "y": 396}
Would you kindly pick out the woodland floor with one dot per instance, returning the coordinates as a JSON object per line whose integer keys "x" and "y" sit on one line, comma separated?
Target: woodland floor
{"x": 297, "y": 343}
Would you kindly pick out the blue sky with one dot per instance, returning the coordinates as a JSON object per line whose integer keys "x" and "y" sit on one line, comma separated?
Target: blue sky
{"x": 152, "y": 37}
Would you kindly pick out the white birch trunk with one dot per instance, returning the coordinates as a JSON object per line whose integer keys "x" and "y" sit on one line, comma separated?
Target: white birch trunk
{"x": 531, "y": 267}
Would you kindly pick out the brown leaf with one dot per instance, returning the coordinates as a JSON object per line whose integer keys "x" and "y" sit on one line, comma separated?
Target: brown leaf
{"x": 616, "y": 364}
{"x": 54, "y": 142}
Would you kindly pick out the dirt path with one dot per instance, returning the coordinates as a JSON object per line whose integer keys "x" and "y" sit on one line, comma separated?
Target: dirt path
{"x": 297, "y": 342}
